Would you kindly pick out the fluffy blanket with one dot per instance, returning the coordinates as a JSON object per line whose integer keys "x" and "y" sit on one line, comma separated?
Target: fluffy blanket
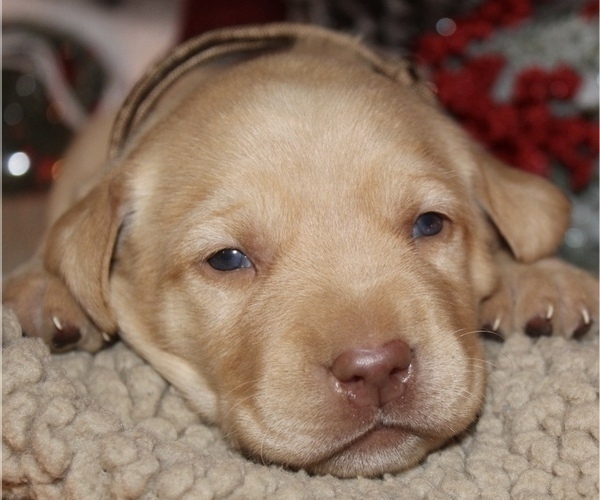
{"x": 79, "y": 426}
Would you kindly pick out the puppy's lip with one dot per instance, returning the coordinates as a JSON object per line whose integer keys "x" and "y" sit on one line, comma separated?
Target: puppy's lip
{"x": 380, "y": 437}
{"x": 373, "y": 440}
{"x": 369, "y": 444}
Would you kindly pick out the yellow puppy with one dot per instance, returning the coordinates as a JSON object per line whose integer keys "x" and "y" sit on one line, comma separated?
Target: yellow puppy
{"x": 294, "y": 235}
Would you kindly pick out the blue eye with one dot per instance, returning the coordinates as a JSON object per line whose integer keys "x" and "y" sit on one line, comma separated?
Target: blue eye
{"x": 428, "y": 224}
{"x": 229, "y": 259}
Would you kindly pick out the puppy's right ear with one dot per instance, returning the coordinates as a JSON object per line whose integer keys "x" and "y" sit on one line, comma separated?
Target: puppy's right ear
{"x": 80, "y": 245}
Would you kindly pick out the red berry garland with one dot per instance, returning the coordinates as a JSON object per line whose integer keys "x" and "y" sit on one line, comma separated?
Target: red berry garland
{"x": 523, "y": 131}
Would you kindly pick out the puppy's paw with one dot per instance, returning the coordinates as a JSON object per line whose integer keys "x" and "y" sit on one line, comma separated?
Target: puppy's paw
{"x": 542, "y": 298}
{"x": 46, "y": 309}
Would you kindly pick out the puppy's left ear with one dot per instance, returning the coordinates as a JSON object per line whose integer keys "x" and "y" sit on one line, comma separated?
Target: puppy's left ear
{"x": 80, "y": 245}
{"x": 531, "y": 214}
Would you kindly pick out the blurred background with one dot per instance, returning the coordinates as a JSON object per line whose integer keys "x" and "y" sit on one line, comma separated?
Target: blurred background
{"x": 520, "y": 75}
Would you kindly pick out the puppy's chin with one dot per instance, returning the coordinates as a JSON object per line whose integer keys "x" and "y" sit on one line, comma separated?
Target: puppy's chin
{"x": 379, "y": 451}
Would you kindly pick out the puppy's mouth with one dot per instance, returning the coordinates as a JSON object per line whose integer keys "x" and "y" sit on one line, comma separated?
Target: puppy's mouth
{"x": 373, "y": 451}
{"x": 378, "y": 438}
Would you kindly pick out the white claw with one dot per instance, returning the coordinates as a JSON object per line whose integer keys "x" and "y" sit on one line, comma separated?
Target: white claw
{"x": 586, "y": 316}
{"x": 106, "y": 337}
{"x": 550, "y": 312}
{"x": 496, "y": 324}
{"x": 57, "y": 323}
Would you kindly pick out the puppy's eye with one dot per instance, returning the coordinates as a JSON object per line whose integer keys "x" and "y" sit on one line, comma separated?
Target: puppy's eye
{"x": 428, "y": 224}
{"x": 229, "y": 259}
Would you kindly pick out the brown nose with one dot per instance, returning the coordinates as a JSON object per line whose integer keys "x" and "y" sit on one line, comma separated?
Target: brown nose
{"x": 373, "y": 377}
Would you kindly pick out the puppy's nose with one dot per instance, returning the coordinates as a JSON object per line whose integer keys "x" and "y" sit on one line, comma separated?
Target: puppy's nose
{"x": 374, "y": 377}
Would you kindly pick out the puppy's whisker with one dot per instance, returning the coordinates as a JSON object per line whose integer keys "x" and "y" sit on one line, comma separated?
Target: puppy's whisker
{"x": 462, "y": 332}
{"x": 237, "y": 404}
{"x": 247, "y": 382}
{"x": 479, "y": 332}
{"x": 490, "y": 333}
{"x": 471, "y": 395}
{"x": 510, "y": 360}
{"x": 475, "y": 362}
{"x": 265, "y": 433}
{"x": 483, "y": 362}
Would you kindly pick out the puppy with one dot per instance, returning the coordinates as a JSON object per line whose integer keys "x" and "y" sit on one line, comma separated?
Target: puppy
{"x": 292, "y": 233}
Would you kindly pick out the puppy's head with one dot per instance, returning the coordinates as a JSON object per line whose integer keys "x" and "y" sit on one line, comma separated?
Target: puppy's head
{"x": 300, "y": 245}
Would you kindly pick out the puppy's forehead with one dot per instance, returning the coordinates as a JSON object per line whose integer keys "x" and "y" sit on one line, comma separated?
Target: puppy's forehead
{"x": 314, "y": 113}
{"x": 303, "y": 130}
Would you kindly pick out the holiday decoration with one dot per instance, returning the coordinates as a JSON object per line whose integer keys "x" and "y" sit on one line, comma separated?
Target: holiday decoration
{"x": 533, "y": 127}
{"x": 50, "y": 83}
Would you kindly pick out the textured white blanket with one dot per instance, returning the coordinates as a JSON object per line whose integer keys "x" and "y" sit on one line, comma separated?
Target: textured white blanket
{"x": 77, "y": 426}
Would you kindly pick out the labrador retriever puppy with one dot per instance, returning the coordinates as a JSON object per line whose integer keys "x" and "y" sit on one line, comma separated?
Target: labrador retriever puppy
{"x": 295, "y": 236}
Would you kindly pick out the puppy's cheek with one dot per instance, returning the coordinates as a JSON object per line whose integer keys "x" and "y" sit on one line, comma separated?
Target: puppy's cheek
{"x": 182, "y": 337}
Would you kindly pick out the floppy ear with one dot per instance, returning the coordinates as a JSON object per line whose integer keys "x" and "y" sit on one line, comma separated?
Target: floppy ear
{"x": 80, "y": 245}
{"x": 531, "y": 214}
